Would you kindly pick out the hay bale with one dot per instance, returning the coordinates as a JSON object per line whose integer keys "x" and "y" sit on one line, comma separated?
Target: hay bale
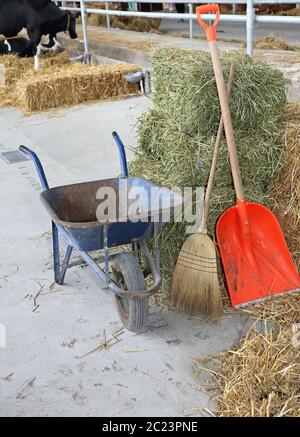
{"x": 2, "y": 75}
{"x": 60, "y": 82}
{"x": 16, "y": 68}
{"x": 185, "y": 91}
{"x": 284, "y": 192}
{"x": 76, "y": 83}
{"x": 177, "y": 135}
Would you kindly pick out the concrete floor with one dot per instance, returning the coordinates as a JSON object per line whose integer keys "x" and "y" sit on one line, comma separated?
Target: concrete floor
{"x": 237, "y": 31}
{"x": 41, "y": 372}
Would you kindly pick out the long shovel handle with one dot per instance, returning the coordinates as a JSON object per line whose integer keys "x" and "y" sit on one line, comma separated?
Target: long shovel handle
{"x": 203, "y": 227}
{"x": 217, "y": 66}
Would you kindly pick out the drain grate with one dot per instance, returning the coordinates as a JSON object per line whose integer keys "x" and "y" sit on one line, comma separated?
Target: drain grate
{"x": 13, "y": 156}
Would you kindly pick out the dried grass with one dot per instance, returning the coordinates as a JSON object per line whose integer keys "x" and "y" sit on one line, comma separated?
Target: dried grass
{"x": 177, "y": 134}
{"x": 258, "y": 378}
{"x": 76, "y": 84}
{"x": 271, "y": 42}
{"x": 61, "y": 83}
{"x": 284, "y": 193}
{"x": 16, "y": 68}
{"x": 138, "y": 24}
{"x": 294, "y": 12}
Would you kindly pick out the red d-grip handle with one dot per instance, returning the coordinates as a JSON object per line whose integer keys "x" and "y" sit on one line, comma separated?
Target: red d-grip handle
{"x": 211, "y": 31}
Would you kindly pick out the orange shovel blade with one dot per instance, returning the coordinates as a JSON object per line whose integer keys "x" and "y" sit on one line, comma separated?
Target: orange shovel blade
{"x": 254, "y": 254}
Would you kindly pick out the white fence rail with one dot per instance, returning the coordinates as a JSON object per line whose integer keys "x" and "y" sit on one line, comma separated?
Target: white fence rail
{"x": 250, "y": 18}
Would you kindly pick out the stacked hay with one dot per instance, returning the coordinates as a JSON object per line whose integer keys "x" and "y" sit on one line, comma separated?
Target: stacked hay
{"x": 284, "y": 192}
{"x": 177, "y": 136}
{"x": 61, "y": 83}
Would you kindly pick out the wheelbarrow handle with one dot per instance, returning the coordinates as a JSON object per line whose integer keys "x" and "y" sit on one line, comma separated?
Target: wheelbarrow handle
{"x": 122, "y": 153}
{"x": 39, "y": 168}
{"x": 210, "y": 30}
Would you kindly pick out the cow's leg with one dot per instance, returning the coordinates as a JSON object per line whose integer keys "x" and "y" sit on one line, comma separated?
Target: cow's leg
{"x": 57, "y": 47}
{"x": 35, "y": 38}
{"x": 37, "y": 58}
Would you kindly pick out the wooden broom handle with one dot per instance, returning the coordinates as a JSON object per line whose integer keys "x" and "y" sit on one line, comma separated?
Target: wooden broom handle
{"x": 211, "y": 35}
{"x": 203, "y": 226}
{"x": 236, "y": 174}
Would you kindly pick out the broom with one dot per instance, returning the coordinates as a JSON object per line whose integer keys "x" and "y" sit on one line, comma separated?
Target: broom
{"x": 195, "y": 286}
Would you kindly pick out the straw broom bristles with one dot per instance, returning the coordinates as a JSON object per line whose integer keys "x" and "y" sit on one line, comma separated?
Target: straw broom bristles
{"x": 195, "y": 286}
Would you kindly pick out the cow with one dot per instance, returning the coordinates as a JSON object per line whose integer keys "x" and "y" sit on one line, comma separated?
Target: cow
{"x": 17, "y": 46}
{"x": 24, "y": 48}
{"x": 38, "y": 17}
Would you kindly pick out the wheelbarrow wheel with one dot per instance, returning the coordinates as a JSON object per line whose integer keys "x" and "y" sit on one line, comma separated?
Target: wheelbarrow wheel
{"x": 127, "y": 273}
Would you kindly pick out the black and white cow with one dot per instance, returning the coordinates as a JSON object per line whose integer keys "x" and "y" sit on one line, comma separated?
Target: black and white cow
{"x": 39, "y": 17}
{"x": 17, "y": 46}
{"x": 24, "y": 48}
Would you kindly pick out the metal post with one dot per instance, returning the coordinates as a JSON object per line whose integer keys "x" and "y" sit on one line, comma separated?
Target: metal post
{"x": 250, "y": 26}
{"x": 191, "y": 21}
{"x": 234, "y": 9}
{"x": 107, "y": 16}
{"x": 84, "y": 30}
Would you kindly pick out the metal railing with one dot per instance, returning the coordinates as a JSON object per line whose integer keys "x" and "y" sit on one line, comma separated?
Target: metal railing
{"x": 250, "y": 18}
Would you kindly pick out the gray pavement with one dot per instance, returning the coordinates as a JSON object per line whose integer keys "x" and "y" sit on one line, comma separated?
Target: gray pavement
{"x": 237, "y": 31}
{"x": 41, "y": 372}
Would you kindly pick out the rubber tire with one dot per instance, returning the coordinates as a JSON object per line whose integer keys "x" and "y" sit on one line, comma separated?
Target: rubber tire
{"x": 133, "y": 312}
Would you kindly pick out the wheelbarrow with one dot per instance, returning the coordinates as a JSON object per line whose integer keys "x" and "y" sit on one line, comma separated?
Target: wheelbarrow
{"x": 124, "y": 259}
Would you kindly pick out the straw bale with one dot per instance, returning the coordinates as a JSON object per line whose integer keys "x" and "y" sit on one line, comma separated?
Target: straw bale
{"x": 60, "y": 82}
{"x": 284, "y": 192}
{"x": 74, "y": 84}
{"x": 177, "y": 135}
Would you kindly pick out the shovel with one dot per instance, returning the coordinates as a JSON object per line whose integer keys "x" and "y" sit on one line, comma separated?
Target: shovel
{"x": 255, "y": 257}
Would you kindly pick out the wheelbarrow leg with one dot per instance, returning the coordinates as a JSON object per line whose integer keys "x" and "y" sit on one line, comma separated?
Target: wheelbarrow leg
{"x": 65, "y": 264}
{"x": 59, "y": 271}
{"x": 56, "y": 257}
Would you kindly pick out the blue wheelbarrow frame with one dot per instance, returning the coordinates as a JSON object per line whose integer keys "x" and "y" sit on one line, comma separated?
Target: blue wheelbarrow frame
{"x": 85, "y": 237}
